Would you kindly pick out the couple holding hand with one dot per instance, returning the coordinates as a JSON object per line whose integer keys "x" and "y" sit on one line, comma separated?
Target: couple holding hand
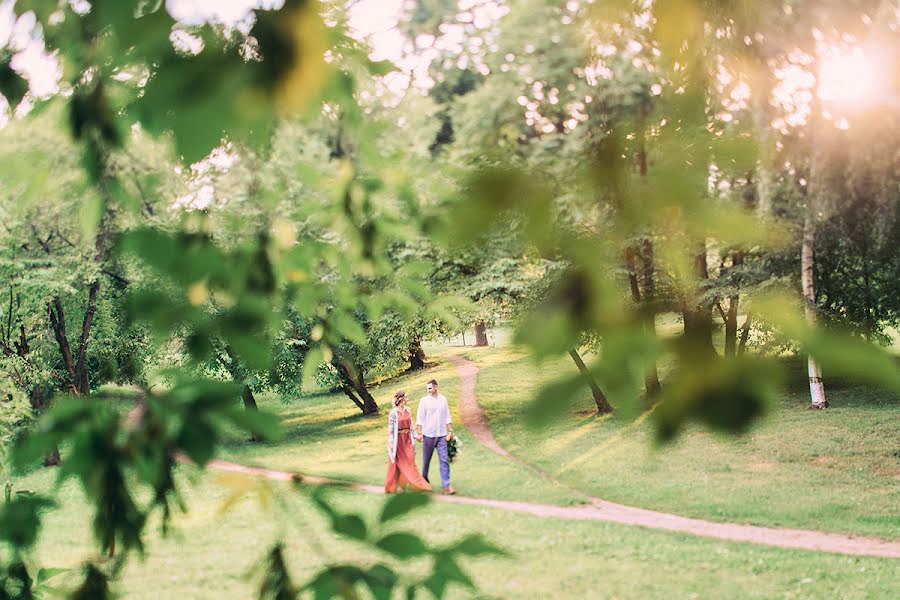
{"x": 433, "y": 428}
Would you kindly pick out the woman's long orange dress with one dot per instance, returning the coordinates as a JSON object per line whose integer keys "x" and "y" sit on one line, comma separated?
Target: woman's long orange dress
{"x": 403, "y": 470}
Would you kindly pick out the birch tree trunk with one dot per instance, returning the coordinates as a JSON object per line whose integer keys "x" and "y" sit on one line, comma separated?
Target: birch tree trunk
{"x": 807, "y": 266}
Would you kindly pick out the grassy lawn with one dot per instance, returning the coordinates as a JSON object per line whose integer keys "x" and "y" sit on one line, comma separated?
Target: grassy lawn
{"x": 211, "y": 554}
{"x": 834, "y": 471}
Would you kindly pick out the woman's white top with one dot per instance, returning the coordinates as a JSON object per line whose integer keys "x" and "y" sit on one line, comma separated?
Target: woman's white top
{"x": 393, "y": 419}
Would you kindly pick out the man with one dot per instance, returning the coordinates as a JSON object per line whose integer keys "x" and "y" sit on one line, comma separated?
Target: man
{"x": 434, "y": 430}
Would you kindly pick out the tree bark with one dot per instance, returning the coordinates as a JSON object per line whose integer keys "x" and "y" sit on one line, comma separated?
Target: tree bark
{"x": 58, "y": 324}
{"x": 745, "y": 335}
{"x": 807, "y": 266}
{"x": 731, "y": 327}
{"x": 81, "y": 370}
{"x": 632, "y": 275}
{"x": 53, "y": 459}
{"x": 416, "y": 355}
{"x": 354, "y": 386}
{"x": 642, "y": 301}
{"x": 250, "y": 404}
{"x": 600, "y": 400}
{"x": 37, "y": 399}
{"x": 651, "y": 379}
{"x": 698, "y": 325}
{"x": 481, "y": 334}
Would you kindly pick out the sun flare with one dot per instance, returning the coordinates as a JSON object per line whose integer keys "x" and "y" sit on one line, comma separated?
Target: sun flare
{"x": 848, "y": 78}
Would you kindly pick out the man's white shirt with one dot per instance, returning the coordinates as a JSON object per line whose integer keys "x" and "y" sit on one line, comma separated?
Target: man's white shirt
{"x": 433, "y": 415}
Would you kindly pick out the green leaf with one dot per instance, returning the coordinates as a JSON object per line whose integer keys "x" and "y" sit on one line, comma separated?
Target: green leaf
{"x": 381, "y": 67}
{"x": 266, "y": 425}
{"x": 727, "y": 395}
{"x": 402, "y": 545}
{"x": 155, "y": 248}
{"x": 277, "y": 584}
{"x": 311, "y": 363}
{"x": 32, "y": 447}
{"x": 92, "y": 208}
{"x": 94, "y": 587}
{"x": 445, "y": 571}
{"x": 850, "y": 356}
{"x": 42, "y": 8}
{"x": 381, "y": 580}
{"x": 351, "y": 526}
{"x": 20, "y": 520}
{"x": 47, "y": 573}
{"x": 475, "y": 545}
{"x": 347, "y": 327}
{"x": 198, "y": 440}
{"x": 554, "y": 398}
{"x": 320, "y": 499}
{"x": 12, "y": 85}
{"x": 401, "y": 504}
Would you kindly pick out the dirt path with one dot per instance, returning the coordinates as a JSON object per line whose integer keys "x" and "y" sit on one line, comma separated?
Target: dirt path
{"x": 474, "y": 419}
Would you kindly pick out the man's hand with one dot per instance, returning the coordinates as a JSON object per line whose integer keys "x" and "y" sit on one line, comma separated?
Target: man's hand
{"x": 449, "y": 436}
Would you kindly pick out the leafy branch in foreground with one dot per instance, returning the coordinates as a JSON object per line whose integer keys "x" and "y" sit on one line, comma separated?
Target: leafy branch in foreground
{"x": 387, "y": 546}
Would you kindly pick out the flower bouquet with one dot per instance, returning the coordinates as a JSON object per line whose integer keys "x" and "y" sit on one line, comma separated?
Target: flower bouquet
{"x": 453, "y": 448}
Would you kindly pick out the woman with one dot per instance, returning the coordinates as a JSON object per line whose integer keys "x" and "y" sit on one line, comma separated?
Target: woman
{"x": 402, "y": 469}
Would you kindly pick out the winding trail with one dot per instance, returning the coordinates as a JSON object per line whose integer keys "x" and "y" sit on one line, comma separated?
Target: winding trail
{"x": 474, "y": 419}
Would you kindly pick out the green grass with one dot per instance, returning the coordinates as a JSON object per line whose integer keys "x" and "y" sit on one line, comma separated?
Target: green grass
{"x": 836, "y": 471}
{"x": 211, "y": 554}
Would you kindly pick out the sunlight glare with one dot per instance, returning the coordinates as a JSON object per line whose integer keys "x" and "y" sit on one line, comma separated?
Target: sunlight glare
{"x": 848, "y": 78}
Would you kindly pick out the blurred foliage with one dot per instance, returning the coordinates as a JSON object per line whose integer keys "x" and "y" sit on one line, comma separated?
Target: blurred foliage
{"x": 206, "y": 209}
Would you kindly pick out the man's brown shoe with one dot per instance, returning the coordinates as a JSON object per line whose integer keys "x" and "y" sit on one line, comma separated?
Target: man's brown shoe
{"x": 449, "y": 491}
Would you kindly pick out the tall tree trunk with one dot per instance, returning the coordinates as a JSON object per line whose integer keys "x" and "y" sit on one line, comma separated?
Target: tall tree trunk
{"x": 600, "y": 400}
{"x": 58, "y": 324}
{"x": 353, "y": 385}
{"x": 817, "y": 397}
{"x": 464, "y": 337}
{"x": 731, "y": 326}
{"x": 481, "y": 334}
{"x": 651, "y": 379}
{"x": 698, "y": 324}
{"x": 745, "y": 335}
{"x": 416, "y": 355}
{"x": 632, "y": 275}
{"x": 81, "y": 369}
{"x": 250, "y": 404}
{"x": 807, "y": 266}
{"x": 37, "y": 398}
{"x": 77, "y": 368}
{"x": 53, "y": 458}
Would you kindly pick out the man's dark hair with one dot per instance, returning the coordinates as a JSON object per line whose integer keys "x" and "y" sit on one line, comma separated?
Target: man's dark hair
{"x": 431, "y": 382}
